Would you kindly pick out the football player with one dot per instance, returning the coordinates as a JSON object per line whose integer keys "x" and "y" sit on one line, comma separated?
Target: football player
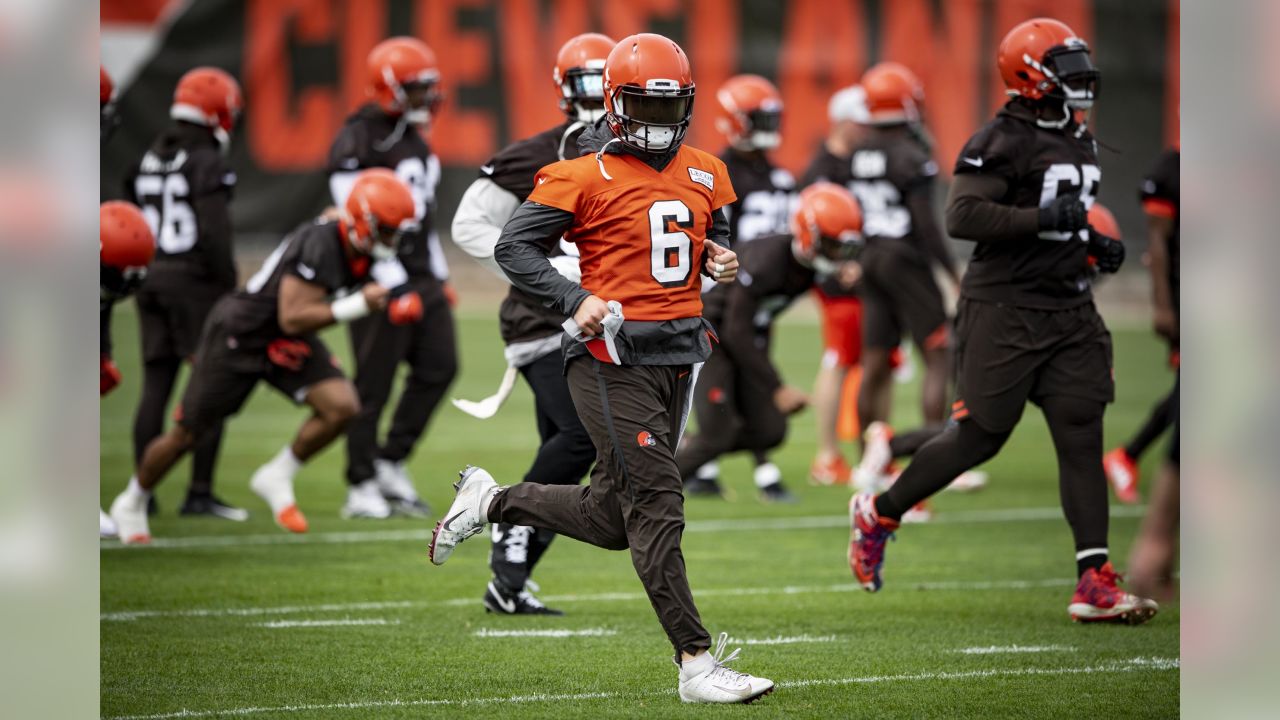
{"x": 387, "y": 132}
{"x": 1026, "y": 327}
{"x": 126, "y": 247}
{"x": 645, "y": 211}
{"x": 750, "y": 119}
{"x": 183, "y": 185}
{"x": 319, "y": 275}
{"x": 840, "y": 306}
{"x": 1160, "y": 201}
{"x": 531, "y": 330}
{"x": 107, "y": 117}
{"x": 741, "y": 400}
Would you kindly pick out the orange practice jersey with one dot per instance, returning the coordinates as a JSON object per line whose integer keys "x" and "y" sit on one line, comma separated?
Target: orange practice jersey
{"x": 640, "y": 234}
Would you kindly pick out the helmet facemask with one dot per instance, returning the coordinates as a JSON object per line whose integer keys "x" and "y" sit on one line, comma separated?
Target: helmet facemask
{"x": 418, "y": 98}
{"x": 1071, "y": 79}
{"x": 653, "y": 119}
{"x": 583, "y": 92}
{"x": 762, "y": 129}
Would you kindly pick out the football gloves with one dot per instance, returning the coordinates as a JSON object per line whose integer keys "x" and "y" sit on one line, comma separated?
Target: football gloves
{"x": 1066, "y": 213}
{"x": 1107, "y": 252}
{"x": 108, "y": 374}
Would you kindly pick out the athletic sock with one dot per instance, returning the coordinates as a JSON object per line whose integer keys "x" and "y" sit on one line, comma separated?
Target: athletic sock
{"x": 886, "y": 508}
{"x": 697, "y": 666}
{"x": 286, "y": 461}
{"x": 135, "y": 490}
{"x": 767, "y": 474}
{"x": 1093, "y": 558}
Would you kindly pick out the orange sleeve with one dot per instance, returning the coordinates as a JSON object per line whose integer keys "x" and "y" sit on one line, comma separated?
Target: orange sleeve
{"x": 555, "y": 186}
{"x": 1159, "y": 207}
{"x": 724, "y": 193}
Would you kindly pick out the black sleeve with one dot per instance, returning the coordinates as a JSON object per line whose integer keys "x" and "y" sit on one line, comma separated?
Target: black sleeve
{"x": 739, "y": 338}
{"x": 975, "y": 213}
{"x": 719, "y": 228}
{"x": 924, "y": 220}
{"x": 348, "y": 150}
{"x": 1162, "y": 181}
{"x": 522, "y": 250}
{"x": 318, "y": 260}
{"x": 212, "y": 187}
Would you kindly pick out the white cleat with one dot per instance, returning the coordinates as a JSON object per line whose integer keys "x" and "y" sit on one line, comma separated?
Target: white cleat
{"x": 968, "y": 481}
{"x": 397, "y": 488}
{"x": 871, "y": 475}
{"x": 106, "y": 526}
{"x": 129, "y": 512}
{"x": 466, "y": 516}
{"x": 708, "y": 679}
{"x": 365, "y": 501}
{"x": 275, "y": 486}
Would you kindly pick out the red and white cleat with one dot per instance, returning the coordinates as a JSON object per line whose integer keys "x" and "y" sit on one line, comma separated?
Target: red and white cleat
{"x": 830, "y": 471}
{"x": 1099, "y": 599}
{"x": 1122, "y": 473}
{"x": 868, "y": 532}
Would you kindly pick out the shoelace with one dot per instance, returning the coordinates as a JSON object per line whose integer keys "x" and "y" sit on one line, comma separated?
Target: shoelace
{"x": 528, "y": 598}
{"x": 721, "y": 661}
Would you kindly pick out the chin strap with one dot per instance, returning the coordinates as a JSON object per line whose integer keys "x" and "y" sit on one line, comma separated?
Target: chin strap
{"x": 600, "y": 158}
{"x": 389, "y": 141}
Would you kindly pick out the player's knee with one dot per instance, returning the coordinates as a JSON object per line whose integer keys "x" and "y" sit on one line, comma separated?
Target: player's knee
{"x": 772, "y": 434}
{"x": 341, "y": 409}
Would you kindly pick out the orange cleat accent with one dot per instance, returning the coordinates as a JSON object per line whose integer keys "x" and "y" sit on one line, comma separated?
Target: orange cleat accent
{"x": 292, "y": 519}
{"x": 1098, "y": 598}
{"x": 137, "y": 540}
{"x": 831, "y": 471}
{"x": 1122, "y": 472}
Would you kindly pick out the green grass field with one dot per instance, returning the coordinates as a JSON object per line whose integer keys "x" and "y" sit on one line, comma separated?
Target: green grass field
{"x": 351, "y": 621}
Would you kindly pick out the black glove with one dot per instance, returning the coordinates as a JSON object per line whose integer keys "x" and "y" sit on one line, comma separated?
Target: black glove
{"x": 1106, "y": 251}
{"x": 1065, "y": 214}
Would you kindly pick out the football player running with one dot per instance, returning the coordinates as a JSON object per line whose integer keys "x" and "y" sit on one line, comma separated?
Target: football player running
{"x": 1027, "y": 328}
{"x": 645, "y": 211}
{"x": 739, "y": 389}
{"x": 750, "y": 118}
{"x": 184, "y": 186}
{"x": 530, "y": 329}
{"x": 126, "y": 247}
{"x": 404, "y": 87}
{"x": 267, "y": 332}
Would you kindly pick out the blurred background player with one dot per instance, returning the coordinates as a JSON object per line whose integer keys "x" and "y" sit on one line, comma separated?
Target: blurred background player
{"x": 1027, "y": 327}
{"x": 126, "y": 247}
{"x": 107, "y": 117}
{"x": 184, "y": 186}
{"x": 840, "y": 305}
{"x": 1161, "y": 205}
{"x": 318, "y": 276}
{"x": 741, "y": 400}
{"x": 386, "y": 132}
{"x": 531, "y": 330}
{"x": 1151, "y": 562}
{"x": 750, "y": 119}
{"x": 645, "y": 212}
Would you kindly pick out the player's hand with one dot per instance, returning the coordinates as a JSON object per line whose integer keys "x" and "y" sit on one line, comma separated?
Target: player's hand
{"x": 589, "y": 315}
{"x": 375, "y": 295}
{"x": 1107, "y": 251}
{"x": 722, "y": 263}
{"x": 108, "y": 375}
{"x": 405, "y": 309}
{"x": 849, "y": 274}
{"x": 789, "y": 400}
{"x": 1066, "y": 213}
{"x": 1165, "y": 323}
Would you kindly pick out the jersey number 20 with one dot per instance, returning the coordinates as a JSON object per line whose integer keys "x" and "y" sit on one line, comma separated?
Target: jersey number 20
{"x": 671, "y": 250}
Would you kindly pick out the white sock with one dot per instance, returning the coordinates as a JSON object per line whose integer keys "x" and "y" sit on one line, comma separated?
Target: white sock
{"x": 709, "y": 471}
{"x": 485, "y": 502}
{"x": 136, "y": 491}
{"x": 697, "y": 666}
{"x": 286, "y": 461}
{"x": 767, "y": 474}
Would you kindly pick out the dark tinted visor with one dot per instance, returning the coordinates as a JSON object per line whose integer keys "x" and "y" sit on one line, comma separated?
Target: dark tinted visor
{"x": 1074, "y": 67}
{"x": 586, "y": 84}
{"x": 422, "y": 94}
{"x": 765, "y": 120}
{"x": 672, "y": 109}
{"x": 841, "y": 249}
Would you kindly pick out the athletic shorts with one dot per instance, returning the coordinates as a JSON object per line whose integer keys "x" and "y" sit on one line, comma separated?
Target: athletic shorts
{"x": 171, "y": 321}
{"x": 841, "y": 329}
{"x": 224, "y": 374}
{"x": 900, "y": 294}
{"x": 1008, "y": 355}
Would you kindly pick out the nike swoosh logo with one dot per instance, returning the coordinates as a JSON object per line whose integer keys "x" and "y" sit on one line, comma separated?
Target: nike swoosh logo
{"x": 486, "y": 169}
{"x": 448, "y": 523}
{"x": 976, "y": 162}
{"x": 734, "y": 691}
{"x": 508, "y": 606}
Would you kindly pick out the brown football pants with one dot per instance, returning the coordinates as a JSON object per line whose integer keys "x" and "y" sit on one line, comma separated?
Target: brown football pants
{"x": 635, "y": 500}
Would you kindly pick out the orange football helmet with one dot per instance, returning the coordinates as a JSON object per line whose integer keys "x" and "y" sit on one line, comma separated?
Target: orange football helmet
{"x": 125, "y": 247}
{"x": 750, "y": 113}
{"x": 1042, "y": 57}
{"x": 826, "y": 228}
{"x": 404, "y": 79}
{"x": 379, "y": 210}
{"x": 210, "y": 97}
{"x": 894, "y": 94}
{"x": 579, "y": 76}
{"x": 648, "y": 93}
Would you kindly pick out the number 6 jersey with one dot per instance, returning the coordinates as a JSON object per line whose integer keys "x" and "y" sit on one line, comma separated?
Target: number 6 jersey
{"x": 1046, "y": 270}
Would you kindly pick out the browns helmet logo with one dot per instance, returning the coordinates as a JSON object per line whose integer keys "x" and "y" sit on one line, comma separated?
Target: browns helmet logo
{"x": 646, "y": 439}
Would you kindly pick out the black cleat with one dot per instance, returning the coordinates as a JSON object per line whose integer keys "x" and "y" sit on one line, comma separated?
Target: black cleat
{"x": 213, "y": 507}
{"x": 522, "y": 603}
{"x": 702, "y": 487}
{"x": 776, "y": 493}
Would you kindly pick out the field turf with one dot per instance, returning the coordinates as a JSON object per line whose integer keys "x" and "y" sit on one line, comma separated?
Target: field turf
{"x": 351, "y": 621}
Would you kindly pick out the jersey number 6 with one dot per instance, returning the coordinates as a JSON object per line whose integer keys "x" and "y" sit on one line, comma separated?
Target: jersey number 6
{"x": 671, "y": 250}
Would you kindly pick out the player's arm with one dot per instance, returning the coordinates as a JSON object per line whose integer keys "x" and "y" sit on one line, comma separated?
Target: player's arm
{"x": 477, "y": 225}
{"x": 213, "y": 218}
{"x": 521, "y": 252}
{"x": 1159, "y": 230}
{"x": 925, "y": 221}
{"x": 722, "y": 262}
{"x": 975, "y": 211}
{"x": 304, "y": 307}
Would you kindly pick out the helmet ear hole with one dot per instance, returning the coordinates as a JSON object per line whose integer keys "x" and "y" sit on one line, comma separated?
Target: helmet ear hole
{"x": 1022, "y": 74}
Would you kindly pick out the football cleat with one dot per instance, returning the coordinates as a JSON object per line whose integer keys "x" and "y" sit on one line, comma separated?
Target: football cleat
{"x": 776, "y": 493}
{"x": 872, "y": 472}
{"x": 708, "y": 679}
{"x": 199, "y": 504}
{"x": 275, "y": 486}
{"x": 396, "y": 486}
{"x": 702, "y": 487}
{"x": 466, "y": 516}
{"x": 968, "y": 481}
{"x": 522, "y": 603}
{"x": 1099, "y": 599}
{"x": 129, "y": 512}
{"x": 868, "y": 532}
{"x": 830, "y": 471}
{"x": 365, "y": 500}
{"x": 1122, "y": 472}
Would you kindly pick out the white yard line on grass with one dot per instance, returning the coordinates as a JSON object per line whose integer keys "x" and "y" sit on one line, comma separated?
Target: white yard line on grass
{"x": 337, "y": 622}
{"x": 127, "y": 615}
{"x": 559, "y": 633}
{"x": 1137, "y": 664}
{"x": 784, "y": 640}
{"x": 811, "y": 522}
{"x": 1003, "y": 649}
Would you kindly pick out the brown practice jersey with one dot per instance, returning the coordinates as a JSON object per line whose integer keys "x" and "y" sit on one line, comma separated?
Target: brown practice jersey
{"x": 1160, "y": 196}
{"x": 370, "y": 138}
{"x": 887, "y": 168}
{"x": 1046, "y": 270}
{"x": 640, "y": 231}
{"x": 765, "y": 194}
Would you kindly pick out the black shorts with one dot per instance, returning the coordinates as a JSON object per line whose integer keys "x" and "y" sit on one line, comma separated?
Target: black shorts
{"x": 1007, "y": 355}
{"x": 172, "y": 319}
{"x": 225, "y": 373}
{"x": 900, "y": 294}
